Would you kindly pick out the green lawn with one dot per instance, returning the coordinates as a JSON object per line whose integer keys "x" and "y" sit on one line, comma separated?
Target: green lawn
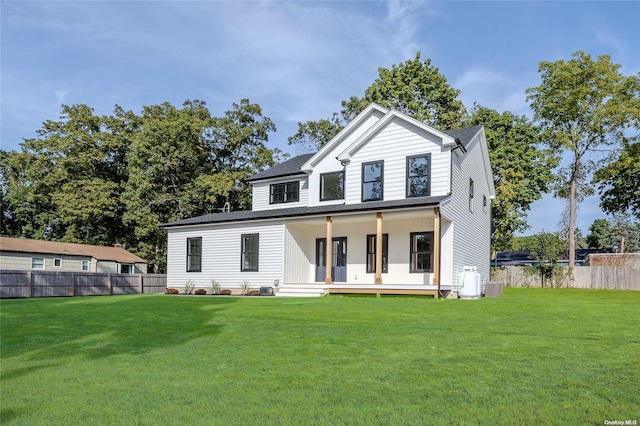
{"x": 531, "y": 356}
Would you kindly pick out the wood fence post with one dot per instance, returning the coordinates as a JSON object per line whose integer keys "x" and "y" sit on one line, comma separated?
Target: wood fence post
{"x": 109, "y": 285}
{"x": 29, "y": 284}
{"x": 72, "y": 278}
{"x": 140, "y": 287}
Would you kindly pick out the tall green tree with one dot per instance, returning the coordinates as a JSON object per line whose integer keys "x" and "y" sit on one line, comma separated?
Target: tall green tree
{"x": 65, "y": 184}
{"x": 184, "y": 163}
{"x": 415, "y": 87}
{"x": 599, "y": 234}
{"x": 618, "y": 182}
{"x": 521, "y": 170}
{"x": 581, "y": 105}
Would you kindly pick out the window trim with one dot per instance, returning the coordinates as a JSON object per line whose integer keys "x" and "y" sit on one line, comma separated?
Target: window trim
{"x": 412, "y": 266}
{"x": 43, "y": 263}
{"x": 471, "y": 194}
{"x": 84, "y": 262}
{"x": 57, "y": 260}
{"x": 322, "y": 175}
{"x": 362, "y": 183}
{"x": 371, "y": 269}
{"x": 408, "y": 186}
{"x": 296, "y": 183}
{"x": 243, "y": 253}
{"x": 189, "y": 255}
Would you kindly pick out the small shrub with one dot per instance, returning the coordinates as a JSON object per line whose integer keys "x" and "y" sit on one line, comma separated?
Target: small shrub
{"x": 254, "y": 292}
{"x": 200, "y": 291}
{"x": 188, "y": 287}
{"x": 225, "y": 292}
{"x": 215, "y": 287}
{"x": 171, "y": 291}
{"x": 245, "y": 287}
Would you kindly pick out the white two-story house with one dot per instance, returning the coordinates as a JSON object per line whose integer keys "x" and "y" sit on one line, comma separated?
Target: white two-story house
{"x": 388, "y": 206}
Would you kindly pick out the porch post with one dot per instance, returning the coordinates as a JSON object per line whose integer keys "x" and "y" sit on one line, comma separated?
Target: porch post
{"x": 329, "y": 249}
{"x": 436, "y": 247}
{"x": 378, "y": 248}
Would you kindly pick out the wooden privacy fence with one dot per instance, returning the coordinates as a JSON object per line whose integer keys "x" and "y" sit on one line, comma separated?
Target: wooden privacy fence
{"x": 593, "y": 277}
{"x": 15, "y": 284}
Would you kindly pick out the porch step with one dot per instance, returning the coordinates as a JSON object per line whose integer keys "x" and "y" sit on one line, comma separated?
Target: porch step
{"x": 301, "y": 290}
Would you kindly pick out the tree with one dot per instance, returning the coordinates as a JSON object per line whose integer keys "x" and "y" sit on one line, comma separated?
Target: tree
{"x": 582, "y": 105}
{"x": 547, "y": 253}
{"x": 521, "y": 170}
{"x": 618, "y": 182}
{"x": 414, "y": 87}
{"x": 625, "y": 233}
{"x": 65, "y": 184}
{"x": 599, "y": 234}
{"x": 184, "y": 163}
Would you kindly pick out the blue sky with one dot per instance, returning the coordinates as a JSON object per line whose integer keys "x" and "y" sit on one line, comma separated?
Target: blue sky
{"x": 298, "y": 60}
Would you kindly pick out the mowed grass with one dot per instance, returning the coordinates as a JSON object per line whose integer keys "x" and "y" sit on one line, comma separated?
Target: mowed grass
{"x": 531, "y": 356}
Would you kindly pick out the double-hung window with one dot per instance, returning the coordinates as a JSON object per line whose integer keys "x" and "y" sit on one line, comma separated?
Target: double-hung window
{"x": 372, "y": 181}
{"x": 194, "y": 254}
{"x": 332, "y": 186}
{"x": 249, "y": 256}
{"x": 84, "y": 265}
{"x": 418, "y": 176}
{"x": 421, "y": 252}
{"x": 287, "y": 192}
{"x": 371, "y": 253}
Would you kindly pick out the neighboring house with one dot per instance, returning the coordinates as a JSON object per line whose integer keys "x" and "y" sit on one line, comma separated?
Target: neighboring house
{"x": 403, "y": 206}
{"x": 25, "y": 254}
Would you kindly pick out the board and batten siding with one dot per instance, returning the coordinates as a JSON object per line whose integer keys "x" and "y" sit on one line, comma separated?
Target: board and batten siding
{"x": 393, "y": 144}
{"x": 262, "y": 193}
{"x": 471, "y": 231}
{"x": 221, "y": 252}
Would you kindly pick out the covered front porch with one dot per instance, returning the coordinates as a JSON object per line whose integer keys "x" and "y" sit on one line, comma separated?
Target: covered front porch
{"x": 406, "y": 251}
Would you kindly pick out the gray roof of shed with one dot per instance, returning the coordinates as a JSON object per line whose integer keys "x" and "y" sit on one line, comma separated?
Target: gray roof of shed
{"x": 248, "y": 215}
{"x": 286, "y": 168}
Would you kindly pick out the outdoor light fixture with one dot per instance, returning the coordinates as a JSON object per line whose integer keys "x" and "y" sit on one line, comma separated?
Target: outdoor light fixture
{"x": 276, "y": 283}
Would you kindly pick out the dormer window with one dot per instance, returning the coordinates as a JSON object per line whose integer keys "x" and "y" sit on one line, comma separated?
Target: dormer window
{"x": 372, "y": 181}
{"x": 287, "y": 192}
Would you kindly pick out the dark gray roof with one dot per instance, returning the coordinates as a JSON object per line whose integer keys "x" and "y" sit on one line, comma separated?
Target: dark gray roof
{"x": 247, "y": 215}
{"x": 464, "y": 135}
{"x": 287, "y": 168}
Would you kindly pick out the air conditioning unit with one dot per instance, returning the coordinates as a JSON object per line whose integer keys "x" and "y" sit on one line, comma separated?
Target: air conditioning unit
{"x": 266, "y": 291}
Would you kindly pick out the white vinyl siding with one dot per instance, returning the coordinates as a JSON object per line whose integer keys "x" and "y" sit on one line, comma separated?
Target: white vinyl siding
{"x": 221, "y": 255}
{"x": 470, "y": 231}
{"x": 262, "y": 194}
{"x": 394, "y": 144}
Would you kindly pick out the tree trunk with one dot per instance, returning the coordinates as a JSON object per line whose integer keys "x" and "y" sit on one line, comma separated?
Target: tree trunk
{"x": 572, "y": 219}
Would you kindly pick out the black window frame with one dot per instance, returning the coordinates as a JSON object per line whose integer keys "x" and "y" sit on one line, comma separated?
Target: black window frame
{"x": 243, "y": 253}
{"x": 371, "y": 251}
{"x": 322, "y": 176}
{"x": 288, "y": 196}
{"x": 363, "y": 183}
{"x": 408, "y": 177}
{"x": 191, "y": 256}
{"x": 471, "y": 194}
{"x": 414, "y": 253}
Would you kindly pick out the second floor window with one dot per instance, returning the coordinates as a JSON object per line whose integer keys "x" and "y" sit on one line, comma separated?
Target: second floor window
{"x": 332, "y": 186}
{"x": 418, "y": 173}
{"x": 372, "y": 181}
{"x": 287, "y": 192}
